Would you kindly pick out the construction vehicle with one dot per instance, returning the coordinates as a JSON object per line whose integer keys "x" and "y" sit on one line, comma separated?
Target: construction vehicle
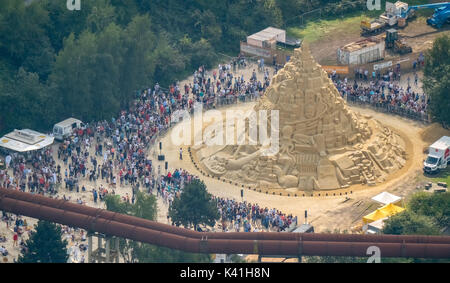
{"x": 393, "y": 42}
{"x": 398, "y": 13}
{"x": 373, "y": 27}
{"x": 388, "y": 19}
{"x": 440, "y": 16}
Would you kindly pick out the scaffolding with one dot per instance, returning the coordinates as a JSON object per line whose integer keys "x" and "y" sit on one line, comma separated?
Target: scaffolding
{"x": 107, "y": 249}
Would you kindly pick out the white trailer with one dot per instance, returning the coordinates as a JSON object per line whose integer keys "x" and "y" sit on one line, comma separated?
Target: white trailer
{"x": 438, "y": 156}
{"x": 65, "y": 128}
{"x": 362, "y": 52}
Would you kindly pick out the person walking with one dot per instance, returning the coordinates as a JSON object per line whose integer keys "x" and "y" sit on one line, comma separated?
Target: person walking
{"x": 8, "y": 161}
{"x": 15, "y": 239}
{"x": 181, "y": 153}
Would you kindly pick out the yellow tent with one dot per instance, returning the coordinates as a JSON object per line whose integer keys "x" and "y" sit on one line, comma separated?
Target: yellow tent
{"x": 385, "y": 211}
{"x": 392, "y": 209}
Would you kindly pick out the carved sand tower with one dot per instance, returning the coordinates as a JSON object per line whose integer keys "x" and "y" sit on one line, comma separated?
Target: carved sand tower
{"x": 324, "y": 145}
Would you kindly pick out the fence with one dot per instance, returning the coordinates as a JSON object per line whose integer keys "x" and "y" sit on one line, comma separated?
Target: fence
{"x": 390, "y": 109}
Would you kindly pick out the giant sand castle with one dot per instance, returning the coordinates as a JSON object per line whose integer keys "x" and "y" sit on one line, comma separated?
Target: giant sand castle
{"x": 323, "y": 144}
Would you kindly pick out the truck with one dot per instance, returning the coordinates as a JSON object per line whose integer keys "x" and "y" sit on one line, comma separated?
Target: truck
{"x": 66, "y": 128}
{"x": 398, "y": 13}
{"x": 438, "y": 156}
{"x": 372, "y": 27}
{"x": 388, "y": 19}
{"x": 440, "y": 16}
{"x": 441, "y": 13}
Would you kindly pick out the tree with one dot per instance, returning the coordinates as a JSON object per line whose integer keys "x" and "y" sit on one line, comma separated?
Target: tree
{"x": 133, "y": 251}
{"x": 168, "y": 61}
{"x": 410, "y": 223}
{"x": 45, "y": 245}
{"x": 138, "y": 61}
{"x": 194, "y": 206}
{"x": 101, "y": 16}
{"x": 91, "y": 62}
{"x": 435, "y": 206}
{"x": 437, "y": 79}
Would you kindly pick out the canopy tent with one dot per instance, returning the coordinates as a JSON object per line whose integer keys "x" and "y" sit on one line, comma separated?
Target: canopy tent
{"x": 386, "y": 211}
{"x": 386, "y": 198}
{"x": 25, "y": 140}
{"x": 392, "y": 209}
{"x": 376, "y": 226}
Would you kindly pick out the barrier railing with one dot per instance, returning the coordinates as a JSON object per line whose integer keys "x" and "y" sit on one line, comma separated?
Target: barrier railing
{"x": 390, "y": 109}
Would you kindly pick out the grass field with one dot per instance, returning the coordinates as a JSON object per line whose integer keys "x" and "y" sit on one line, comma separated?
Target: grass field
{"x": 444, "y": 176}
{"x": 318, "y": 29}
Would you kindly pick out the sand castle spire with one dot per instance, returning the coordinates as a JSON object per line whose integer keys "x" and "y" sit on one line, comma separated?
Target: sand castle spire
{"x": 323, "y": 144}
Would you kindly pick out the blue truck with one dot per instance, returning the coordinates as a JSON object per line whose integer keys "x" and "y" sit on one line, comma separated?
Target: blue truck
{"x": 440, "y": 16}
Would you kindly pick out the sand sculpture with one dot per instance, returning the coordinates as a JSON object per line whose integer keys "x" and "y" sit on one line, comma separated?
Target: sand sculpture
{"x": 324, "y": 145}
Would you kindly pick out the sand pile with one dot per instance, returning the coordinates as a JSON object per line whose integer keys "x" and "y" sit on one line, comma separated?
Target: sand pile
{"x": 323, "y": 144}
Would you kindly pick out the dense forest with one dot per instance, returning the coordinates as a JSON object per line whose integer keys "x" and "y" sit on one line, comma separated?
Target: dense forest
{"x": 56, "y": 63}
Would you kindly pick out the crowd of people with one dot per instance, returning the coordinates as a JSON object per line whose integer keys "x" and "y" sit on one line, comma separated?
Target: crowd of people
{"x": 224, "y": 87}
{"x": 116, "y": 151}
{"x": 19, "y": 227}
{"x": 251, "y": 217}
{"x": 234, "y": 215}
{"x": 384, "y": 90}
{"x": 171, "y": 185}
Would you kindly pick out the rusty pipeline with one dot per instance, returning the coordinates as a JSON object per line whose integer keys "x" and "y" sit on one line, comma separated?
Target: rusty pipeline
{"x": 254, "y": 243}
{"x": 105, "y": 214}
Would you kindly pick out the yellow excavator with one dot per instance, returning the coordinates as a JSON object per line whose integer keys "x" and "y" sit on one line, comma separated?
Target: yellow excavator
{"x": 393, "y": 42}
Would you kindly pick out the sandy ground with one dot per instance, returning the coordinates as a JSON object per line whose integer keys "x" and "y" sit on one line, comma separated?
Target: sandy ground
{"x": 325, "y": 213}
{"x": 417, "y": 34}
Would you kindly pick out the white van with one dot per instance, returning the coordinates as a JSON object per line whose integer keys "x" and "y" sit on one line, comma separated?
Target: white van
{"x": 438, "y": 156}
{"x": 65, "y": 128}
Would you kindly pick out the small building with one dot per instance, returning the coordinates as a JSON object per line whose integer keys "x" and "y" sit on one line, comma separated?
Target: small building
{"x": 25, "y": 141}
{"x": 267, "y": 38}
{"x": 362, "y": 52}
{"x": 271, "y": 44}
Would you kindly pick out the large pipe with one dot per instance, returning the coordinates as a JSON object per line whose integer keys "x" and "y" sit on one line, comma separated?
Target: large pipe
{"x": 135, "y": 221}
{"x": 228, "y": 246}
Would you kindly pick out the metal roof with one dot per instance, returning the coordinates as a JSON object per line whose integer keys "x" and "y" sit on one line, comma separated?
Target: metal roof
{"x": 68, "y": 122}
{"x": 267, "y": 34}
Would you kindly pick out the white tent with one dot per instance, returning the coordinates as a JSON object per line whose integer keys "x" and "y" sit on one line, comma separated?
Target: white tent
{"x": 375, "y": 227}
{"x": 25, "y": 140}
{"x": 386, "y": 198}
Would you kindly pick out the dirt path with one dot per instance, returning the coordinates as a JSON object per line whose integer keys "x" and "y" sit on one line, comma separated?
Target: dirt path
{"x": 417, "y": 34}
